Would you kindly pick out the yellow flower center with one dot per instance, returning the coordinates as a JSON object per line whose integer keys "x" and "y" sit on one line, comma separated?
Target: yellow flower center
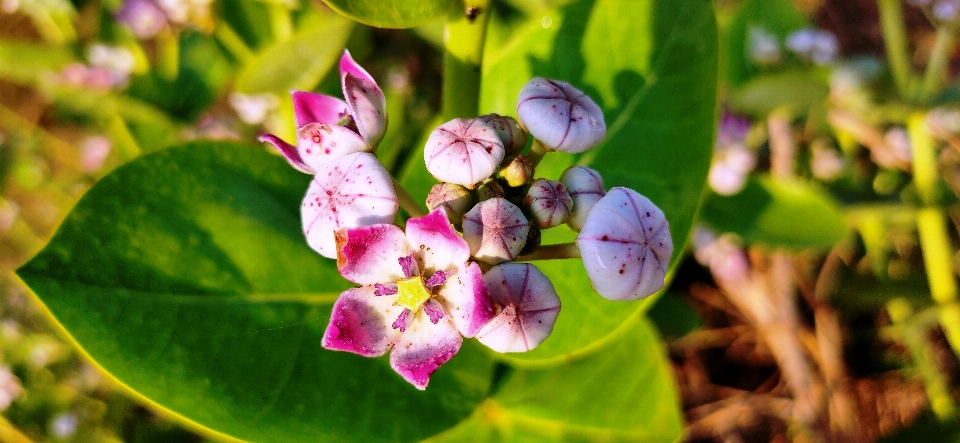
{"x": 412, "y": 293}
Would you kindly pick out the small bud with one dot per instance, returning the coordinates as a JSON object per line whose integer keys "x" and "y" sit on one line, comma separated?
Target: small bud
{"x": 488, "y": 189}
{"x": 463, "y": 152}
{"x": 586, "y": 188}
{"x": 517, "y": 171}
{"x": 496, "y": 230}
{"x": 548, "y": 203}
{"x": 626, "y": 246}
{"x": 560, "y": 116}
{"x": 456, "y": 200}
{"x": 514, "y": 138}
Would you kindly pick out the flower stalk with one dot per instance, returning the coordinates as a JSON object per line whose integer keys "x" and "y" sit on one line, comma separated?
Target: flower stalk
{"x": 938, "y": 63}
{"x": 407, "y": 202}
{"x": 895, "y": 41}
{"x": 464, "y": 35}
{"x": 553, "y": 252}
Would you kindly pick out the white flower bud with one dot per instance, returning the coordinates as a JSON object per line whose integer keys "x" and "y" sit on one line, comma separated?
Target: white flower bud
{"x": 560, "y": 116}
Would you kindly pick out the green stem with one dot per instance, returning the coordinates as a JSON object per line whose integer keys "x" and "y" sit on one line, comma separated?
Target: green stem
{"x": 938, "y": 63}
{"x": 229, "y": 38}
{"x": 553, "y": 252}
{"x": 536, "y": 153}
{"x": 895, "y": 40}
{"x": 280, "y": 22}
{"x": 462, "y": 59}
{"x": 932, "y": 229}
{"x": 168, "y": 54}
{"x": 407, "y": 202}
{"x": 933, "y": 379}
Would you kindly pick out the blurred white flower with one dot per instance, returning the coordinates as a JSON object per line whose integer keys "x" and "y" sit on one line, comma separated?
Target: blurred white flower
{"x": 826, "y": 163}
{"x": 721, "y": 254}
{"x": 732, "y": 160}
{"x": 946, "y": 10}
{"x": 10, "y": 387}
{"x": 118, "y": 61}
{"x": 763, "y": 48}
{"x": 64, "y": 425}
{"x": 93, "y": 152}
{"x": 253, "y": 109}
{"x": 898, "y": 150}
{"x": 9, "y": 6}
{"x": 814, "y": 44}
{"x": 8, "y": 213}
{"x": 10, "y": 331}
{"x": 944, "y": 120}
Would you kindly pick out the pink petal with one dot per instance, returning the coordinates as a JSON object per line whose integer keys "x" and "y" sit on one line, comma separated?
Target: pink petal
{"x": 530, "y": 308}
{"x": 434, "y": 240}
{"x": 423, "y": 348}
{"x": 289, "y": 152}
{"x": 466, "y": 298}
{"x": 360, "y": 323}
{"x": 321, "y": 143}
{"x": 309, "y": 107}
{"x": 496, "y": 230}
{"x": 463, "y": 152}
{"x": 354, "y": 190}
{"x": 370, "y": 254}
{"x": 348, "y": 65}
{"x": 626, "y": 245}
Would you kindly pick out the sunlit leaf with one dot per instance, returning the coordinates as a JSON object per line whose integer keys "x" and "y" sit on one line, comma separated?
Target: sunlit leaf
{"x": 393, "y": 13}
{"x": 185, "y": 275}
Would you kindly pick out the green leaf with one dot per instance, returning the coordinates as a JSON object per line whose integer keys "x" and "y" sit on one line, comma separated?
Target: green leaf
{"x": 26, "y": 63}
{"x": 793, "y": 214}
{"x": 298, "y": 63}
{"x": 796, "y": 91}
{"x": 393, "y": 13}
{"x": 624, "y": 393}
{"x": 654, "y": 77}
{"x": 776, "y": 17}
{"x": 185, "y": 275}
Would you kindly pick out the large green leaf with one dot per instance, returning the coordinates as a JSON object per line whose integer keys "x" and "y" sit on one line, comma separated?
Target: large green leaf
{"x": 298, "y": 63}
{"x": 393, "y": 13}
{"x": 789, "y": 214}
{"x": 624, "y": 393}
{"x": 651, "y": 65}
{"x": 185, "y": 275}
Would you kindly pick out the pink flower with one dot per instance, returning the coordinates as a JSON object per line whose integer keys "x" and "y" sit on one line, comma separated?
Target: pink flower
{"x": 321, "y": 138}
{"x": 530, "y": 308}
{"x": 419, "y": 295}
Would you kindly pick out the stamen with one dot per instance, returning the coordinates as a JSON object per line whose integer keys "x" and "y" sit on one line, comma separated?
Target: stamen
{"x": 409, "y": 266}
{"x": 438, "y": 278}
{"x": 401, "y": 321}
{"x": 433, "y": 310}
{"x": 384, "y": 290}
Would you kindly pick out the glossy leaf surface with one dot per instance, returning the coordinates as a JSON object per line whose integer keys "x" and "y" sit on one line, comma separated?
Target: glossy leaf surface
{"x": 393, "y": 13}
{"x": 185, "y": 275}
{"x": 654, "y": 77}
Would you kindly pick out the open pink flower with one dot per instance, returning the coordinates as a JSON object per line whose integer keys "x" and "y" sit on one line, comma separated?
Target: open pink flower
{"x": 419, "y": 295}
{"x": 328, "y": 127}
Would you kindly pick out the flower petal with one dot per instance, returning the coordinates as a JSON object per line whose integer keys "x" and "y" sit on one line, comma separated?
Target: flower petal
{"x": 370, "y": 254}
{"x": 626, "y": 246}
{"x": 434, "y": 241}
{"x": 348, "y": 65}
{"x": 354, "y": 190}
{"x": 530, "y": 308}
{"x": 360, "y": 323}
{"x": 321, "y": 143}
{"x": 309, "y": 107}
{"x": 288, "y": 151}
{"x": 423, "y": 348}
{"x": 465, "y": 297}
{"x": 463, "y": 152}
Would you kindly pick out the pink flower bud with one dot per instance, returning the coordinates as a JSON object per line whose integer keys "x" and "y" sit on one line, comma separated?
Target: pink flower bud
{"x": 548, "y": 203}
{"x": 586, "y": 188}
{"x": 560, "y": 116}
{"x": 463, "y": 152}
{"x": 456, "y": 200}
{"x": 496, "y": 230}
{"x": 517, "y": 172}
{"x": 530, "y": 308}
{"x": 514, "y": 138}
{"x": 626, "y": 245}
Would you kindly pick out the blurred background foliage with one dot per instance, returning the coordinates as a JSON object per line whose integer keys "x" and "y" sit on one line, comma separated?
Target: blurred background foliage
{"x": 817, "y": 301}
